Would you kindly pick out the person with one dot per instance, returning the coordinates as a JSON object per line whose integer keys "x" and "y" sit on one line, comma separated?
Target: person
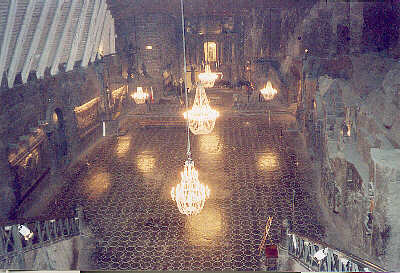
{"x": 192, "y": 75}
{"x": 147, "y": 104}
{"x": 151, "y": 99}
{"x": 248, "y": 90}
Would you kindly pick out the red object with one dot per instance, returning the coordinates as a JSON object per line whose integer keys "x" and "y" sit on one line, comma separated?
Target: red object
{"x": 271, "y": 251}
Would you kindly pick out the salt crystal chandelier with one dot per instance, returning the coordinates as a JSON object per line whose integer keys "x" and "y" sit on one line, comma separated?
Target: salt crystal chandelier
{"x": 268, "y": 92}
{"x": 201, "y": 117}
{"x": 189, "y": 195}
{"x": 139, "y": 96}
{"x": 208, "y": 78}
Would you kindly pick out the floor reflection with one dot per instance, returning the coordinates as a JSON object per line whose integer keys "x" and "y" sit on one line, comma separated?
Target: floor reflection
{"x": 97, "y": 184}
{"x": 210, "y": 144}
{"x": 145, "y": 161}
{"x": 268, "y": 161}
{"x": 139, "y": 227}
{"x": 123, "y": 145}
{"x": 206, "y": 229}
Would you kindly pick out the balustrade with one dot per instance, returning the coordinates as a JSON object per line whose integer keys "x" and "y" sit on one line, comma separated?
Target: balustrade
{"x": 318, "y": 256}
{"x": 13, "y": 244}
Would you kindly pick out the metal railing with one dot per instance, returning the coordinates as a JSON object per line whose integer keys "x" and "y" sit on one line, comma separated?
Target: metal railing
{"x": 13, "y": 241}
{"x": 318, "y": 256}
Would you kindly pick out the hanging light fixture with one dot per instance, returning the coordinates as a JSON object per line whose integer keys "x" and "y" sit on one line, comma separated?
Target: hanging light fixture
{"x": 268, "y": 92}
{"x": 208, "y": 78}
{"x": 139, "y": 96}
{"x": 190, "y": 194}
{"x": 201, "y": 117}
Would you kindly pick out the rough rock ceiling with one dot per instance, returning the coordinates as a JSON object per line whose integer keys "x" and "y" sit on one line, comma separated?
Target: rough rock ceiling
{"x": 121, "y": 9}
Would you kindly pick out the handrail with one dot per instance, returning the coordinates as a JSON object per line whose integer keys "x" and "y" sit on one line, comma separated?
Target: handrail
{"x": 13, "y": 242}
{"x": 21, "y": 220}
{"x": 304, "y": 250}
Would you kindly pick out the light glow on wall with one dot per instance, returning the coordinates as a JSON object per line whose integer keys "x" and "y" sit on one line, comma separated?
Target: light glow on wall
{"x": 210, "y": 52}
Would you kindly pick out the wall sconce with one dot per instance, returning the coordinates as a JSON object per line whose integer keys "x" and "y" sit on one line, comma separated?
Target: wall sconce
{"x": 149, "y": 47}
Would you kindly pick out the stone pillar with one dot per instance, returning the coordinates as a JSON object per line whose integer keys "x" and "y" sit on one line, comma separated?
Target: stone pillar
{"x": 356, "y": 26}
{"x": 7, "y": 195}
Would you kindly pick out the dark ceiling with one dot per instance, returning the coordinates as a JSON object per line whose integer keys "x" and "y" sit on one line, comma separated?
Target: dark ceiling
{"x": 121, "y": 9}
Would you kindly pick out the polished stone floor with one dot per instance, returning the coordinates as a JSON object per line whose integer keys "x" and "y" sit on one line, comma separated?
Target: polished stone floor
{"x": 124, "y": 186}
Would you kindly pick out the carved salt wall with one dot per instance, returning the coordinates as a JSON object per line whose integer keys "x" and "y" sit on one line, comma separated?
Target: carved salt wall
{"x": 47, "y": 123}
{"x": 354, "y": 99}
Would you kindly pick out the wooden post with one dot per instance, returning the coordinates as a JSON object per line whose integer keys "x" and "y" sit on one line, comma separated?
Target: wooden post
{"x": 16, "y": 238}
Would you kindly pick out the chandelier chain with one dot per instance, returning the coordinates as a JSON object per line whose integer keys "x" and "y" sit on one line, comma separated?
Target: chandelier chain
{"x": 185, "y": 79}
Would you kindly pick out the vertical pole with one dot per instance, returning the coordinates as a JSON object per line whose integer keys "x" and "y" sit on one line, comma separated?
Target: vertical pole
{"x": 372, "y": 216}
{"x": 270, "y": 32}
{"x": 269, "y": 118}
{"x": 185, "y": 80}
{"x": 104, "y": 129}
{"x": 294, "y": 193}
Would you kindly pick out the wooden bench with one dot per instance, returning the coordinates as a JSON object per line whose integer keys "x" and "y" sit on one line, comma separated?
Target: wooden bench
{"x": 162, "y": 123}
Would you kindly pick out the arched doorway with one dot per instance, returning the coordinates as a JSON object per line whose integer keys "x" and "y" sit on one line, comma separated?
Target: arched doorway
{"x": 59, "y": 138}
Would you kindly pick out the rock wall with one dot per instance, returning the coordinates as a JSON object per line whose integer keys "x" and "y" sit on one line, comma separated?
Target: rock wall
{"x": 348, "y": 106}
{"x": 72, "y": 254}
{"x": 355, "y": 191}
{"x": 151, "y": 48}
{"x": 47, "y": 123}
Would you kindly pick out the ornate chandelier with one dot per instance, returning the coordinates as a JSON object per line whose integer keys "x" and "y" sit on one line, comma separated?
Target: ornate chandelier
{"x": 268, "y": 92}
{"x": 139, "y": 96}
{"x": 190, "y": 195}
{"x": 201, "y": 117}
{"x": 207, "y": 78}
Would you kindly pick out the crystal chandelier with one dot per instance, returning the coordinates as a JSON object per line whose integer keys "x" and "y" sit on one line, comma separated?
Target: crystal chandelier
{"x": 207, "y": 78}
{"x": 190, "y": 195}
{"x": 139, "y": 96}
{"x": 201, "y": 117}
{"x": 268, "y": 92}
